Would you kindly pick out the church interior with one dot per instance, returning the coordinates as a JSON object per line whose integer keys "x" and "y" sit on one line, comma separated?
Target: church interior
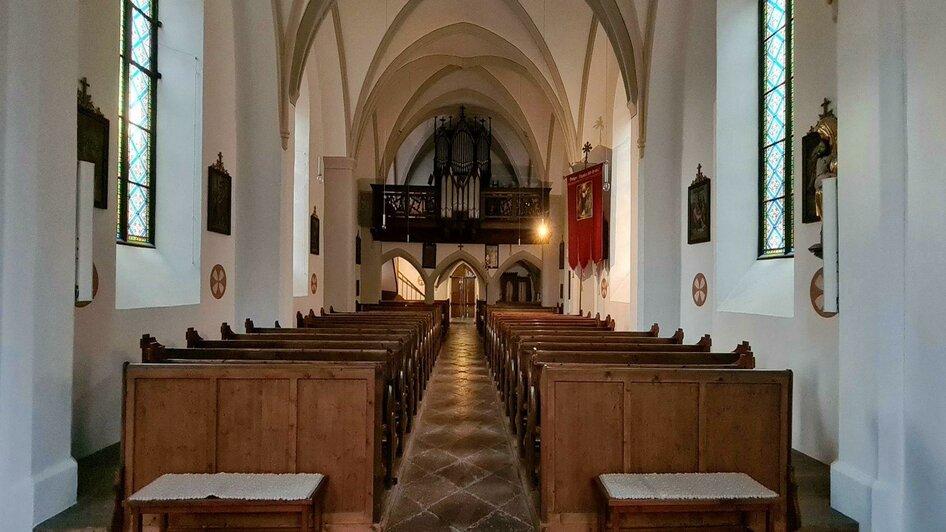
{"x": 504, "y": 265}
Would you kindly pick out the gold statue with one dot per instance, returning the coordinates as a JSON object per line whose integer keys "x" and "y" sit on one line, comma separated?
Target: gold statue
{"x": 825, "y": 155}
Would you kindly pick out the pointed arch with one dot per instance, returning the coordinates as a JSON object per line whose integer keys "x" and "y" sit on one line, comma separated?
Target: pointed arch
{"x": 451, "y": 260}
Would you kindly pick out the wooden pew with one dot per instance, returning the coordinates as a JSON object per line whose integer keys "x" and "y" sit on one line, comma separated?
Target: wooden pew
{"x": 530, "y": 414}
{"x": 442, "y": 304}
{"x": 422, "y": 322}
{"x": 509, "y": 357}
{"x": 504, "y": 325}
{"x": 392, "y": 408}
{"x": 302, "y": 417}
{"x": 401, "y": 371}
{"x": 519, "y": 372}
{"x": 498, "y": 323}
{"x": 641, "y": 419}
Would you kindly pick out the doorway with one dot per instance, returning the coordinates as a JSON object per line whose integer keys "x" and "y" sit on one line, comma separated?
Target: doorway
{"x": 462, "y": 292}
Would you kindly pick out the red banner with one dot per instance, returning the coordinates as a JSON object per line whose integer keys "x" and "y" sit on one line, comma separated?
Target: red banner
{"x": 585, "y": 217}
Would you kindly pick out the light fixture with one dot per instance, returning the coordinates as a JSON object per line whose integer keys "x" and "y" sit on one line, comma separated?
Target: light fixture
{"x": 542, "y": 230}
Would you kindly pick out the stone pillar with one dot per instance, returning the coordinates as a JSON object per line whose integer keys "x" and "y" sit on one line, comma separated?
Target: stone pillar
{"x": 262, "y": 234}
{"x": 866, "y": 479}
{"x": 339, "y": 227}
{"x": 37, "y": 253}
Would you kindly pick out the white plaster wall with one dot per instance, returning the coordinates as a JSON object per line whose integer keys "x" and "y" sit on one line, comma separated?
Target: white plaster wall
{"x": 106, "y": 337}
{"x": 319, "y": 130}
{"x": 719, "y": 59}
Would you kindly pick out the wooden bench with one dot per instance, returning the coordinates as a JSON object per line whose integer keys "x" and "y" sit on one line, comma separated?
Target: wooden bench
{"x": 620, "y": 419}
{"x": 302, "y": 417}
{"x": 696, "y": 499}
{"x": 180, "y": 495}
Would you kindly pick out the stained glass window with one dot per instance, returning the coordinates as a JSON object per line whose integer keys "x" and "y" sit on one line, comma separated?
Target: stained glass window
{"x": 139, "y": 78}
{"x": 775, "y": 140}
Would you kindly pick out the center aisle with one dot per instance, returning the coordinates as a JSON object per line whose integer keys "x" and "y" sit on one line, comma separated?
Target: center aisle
{"x": 460, "y": 471}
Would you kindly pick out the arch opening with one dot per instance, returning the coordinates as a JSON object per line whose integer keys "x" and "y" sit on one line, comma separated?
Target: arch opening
{"x": 401, "y": 281}
{"x": 461, "y": 284}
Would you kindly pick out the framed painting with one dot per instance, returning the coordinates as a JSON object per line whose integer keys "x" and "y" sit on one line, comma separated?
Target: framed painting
{"x": 92, "y": 139}
{"x": 698, "y": 209}
{"x": 219, "y": 197}
{"x": 492, "y": 256}
{"x": 314, "y": 224}
{"x": 429, "y": 258}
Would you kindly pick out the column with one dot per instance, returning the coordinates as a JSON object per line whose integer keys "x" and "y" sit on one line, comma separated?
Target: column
{"x": 339, "y": 227}
{"x": 262, "y": 187}
{"x": 37, "y": 253}
{"x": 866, "y": 480}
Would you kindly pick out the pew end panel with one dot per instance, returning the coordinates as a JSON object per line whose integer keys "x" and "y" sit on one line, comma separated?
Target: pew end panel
{"x": 661, "y": 420}
{"x": 226, "y": 333}
{"x": 250, "y": 418}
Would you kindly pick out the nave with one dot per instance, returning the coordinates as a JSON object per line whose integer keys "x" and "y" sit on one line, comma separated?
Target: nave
{"x": 460, "y": 469}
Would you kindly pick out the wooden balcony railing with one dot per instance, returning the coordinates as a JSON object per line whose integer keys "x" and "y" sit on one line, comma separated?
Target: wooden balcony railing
{"x": 497, "y": 215}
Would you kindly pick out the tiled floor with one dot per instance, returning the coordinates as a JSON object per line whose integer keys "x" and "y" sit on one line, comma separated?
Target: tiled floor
{"x": 460, "y": 471}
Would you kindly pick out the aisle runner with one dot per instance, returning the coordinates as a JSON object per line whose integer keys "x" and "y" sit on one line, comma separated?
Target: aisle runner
{"x": 460, "y": 472}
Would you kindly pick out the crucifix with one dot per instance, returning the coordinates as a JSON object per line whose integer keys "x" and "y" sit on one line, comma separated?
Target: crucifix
{"x": 824, "y": 107}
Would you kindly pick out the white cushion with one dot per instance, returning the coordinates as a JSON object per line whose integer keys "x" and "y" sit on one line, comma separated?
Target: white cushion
{"x": 230, "y": 486}
{"x": 684, "y": 486}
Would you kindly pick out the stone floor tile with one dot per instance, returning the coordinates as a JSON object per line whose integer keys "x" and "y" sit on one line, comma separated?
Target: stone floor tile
{"x": 495, "y": 490}
{"x": 461, "y": 509}
{"x": 425, "y": 522}
{"x": 499, "y": 521}
{"x": 426, "y": 491}
{"x": 462, "y": 474}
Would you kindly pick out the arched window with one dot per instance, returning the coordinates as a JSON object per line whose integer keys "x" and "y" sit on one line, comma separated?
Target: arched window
{"x": 139, "y": 99}
{"x": 776, "y": 230}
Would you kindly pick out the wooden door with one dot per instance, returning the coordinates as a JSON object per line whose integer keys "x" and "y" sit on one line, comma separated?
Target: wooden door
{"x": 462, "y": 293}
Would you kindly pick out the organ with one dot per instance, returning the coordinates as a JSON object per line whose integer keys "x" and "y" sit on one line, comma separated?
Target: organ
{"x": 461, "y": 201}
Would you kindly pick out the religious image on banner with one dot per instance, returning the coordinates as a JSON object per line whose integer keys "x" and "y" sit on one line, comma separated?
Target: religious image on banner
{"x": 586, "y": 217}
{"x": 585, "y": 206}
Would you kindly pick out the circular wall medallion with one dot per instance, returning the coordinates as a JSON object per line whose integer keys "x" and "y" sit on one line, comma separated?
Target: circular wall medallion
{"x": 314, "y": 284}
{"x": 95, "y": 287}
{"x": 604, "y": 288}
{"x": 218, "y": 281}
{"x": 816, "y": 292}
{"x": 699, "y": 289}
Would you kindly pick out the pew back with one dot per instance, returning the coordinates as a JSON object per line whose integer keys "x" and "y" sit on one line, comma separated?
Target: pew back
{"x": 259, "y": 418}
{"x": 646, "y": 420}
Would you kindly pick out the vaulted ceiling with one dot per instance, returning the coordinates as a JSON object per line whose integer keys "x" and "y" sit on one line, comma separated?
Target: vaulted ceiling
{"x": 382, "y": 69}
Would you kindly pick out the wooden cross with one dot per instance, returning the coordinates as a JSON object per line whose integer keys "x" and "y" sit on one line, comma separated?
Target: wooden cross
{"x": 824, "y": 106}
{"x": 587, "y": 149}
{"x": 84, "y": 82}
